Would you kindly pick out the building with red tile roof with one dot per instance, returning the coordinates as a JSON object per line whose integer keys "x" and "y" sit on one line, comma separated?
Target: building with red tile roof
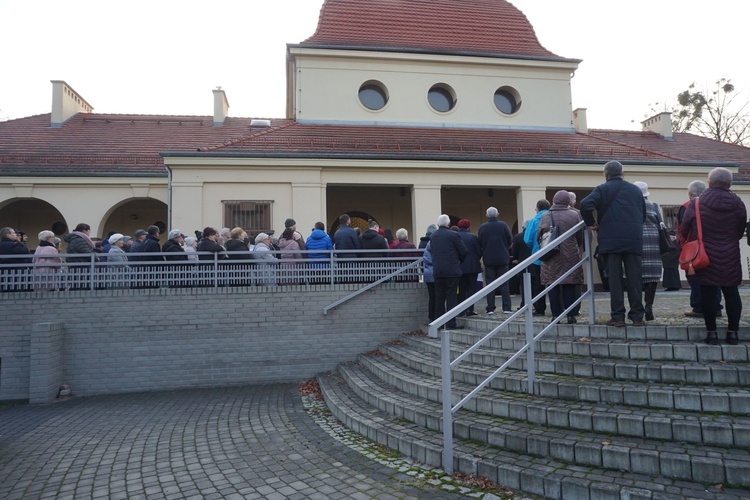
{"x": 398, "y": 111}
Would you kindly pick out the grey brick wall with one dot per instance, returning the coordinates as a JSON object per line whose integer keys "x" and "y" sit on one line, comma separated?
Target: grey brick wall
{"x": 115, "y": 341}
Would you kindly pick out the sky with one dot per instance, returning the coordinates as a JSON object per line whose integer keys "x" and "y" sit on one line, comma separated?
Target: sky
{"x": 166, "y": 56}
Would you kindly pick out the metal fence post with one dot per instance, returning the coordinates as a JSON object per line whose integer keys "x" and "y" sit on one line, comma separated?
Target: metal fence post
{"x": 445, "y": 354}
{"x": 529, "y": 317}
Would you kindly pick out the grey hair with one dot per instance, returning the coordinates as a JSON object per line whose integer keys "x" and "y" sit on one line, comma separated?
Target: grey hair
{"x": 443, "y": 221}
{"x": 190, "y": 240}
{"x": 696, "y": 188}
{"x": 6, "y": 231}
{"x": 720, "y": 177}
{"x": 430, "y": 229}
{"x": 492, "y": 212}
{"x": 45, "y": 235}
{"x": 573, "y": 198}
{"x": 402, "y": 234}
{"x": 612, "y": 169}
{"x": 225, "y": 230}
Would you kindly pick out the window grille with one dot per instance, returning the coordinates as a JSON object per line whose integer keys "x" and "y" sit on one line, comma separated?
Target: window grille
{"x": 669, "y": 215}
{"x": 252, "y": 216}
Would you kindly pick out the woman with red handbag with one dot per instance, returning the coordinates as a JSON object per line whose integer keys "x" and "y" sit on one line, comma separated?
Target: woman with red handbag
{"x": 716, "y": 221}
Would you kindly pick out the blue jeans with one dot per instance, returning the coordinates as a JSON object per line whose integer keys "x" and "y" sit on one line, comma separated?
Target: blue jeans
{"x": 696, "y": 300}
{"x": 633, "y": 281}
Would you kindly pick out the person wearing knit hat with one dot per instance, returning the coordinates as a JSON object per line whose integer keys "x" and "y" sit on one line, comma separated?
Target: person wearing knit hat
{"x": 470, "y": 267}
{"x": 296, "y": 236}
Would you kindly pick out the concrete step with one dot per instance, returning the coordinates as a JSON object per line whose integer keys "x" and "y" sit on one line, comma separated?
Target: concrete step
{"x": 669, "y": 333}
{"x": 627, "y": 421}
{"x": 641, "y": 349}
{"x": 537, "y": 475}
{"x": 664, "y": 371}
{"x": 680, "y": 397}
{"x": 647, "y": 456}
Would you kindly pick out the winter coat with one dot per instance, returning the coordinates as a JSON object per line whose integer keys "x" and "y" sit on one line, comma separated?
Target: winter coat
{"x": 471, "y": 264}
{"x": 117, "y": 257}
{"x": 723, "y": 218}
{"x": 621, "y": 225}
{"x": 289, "y": 249}
{"x": 175, "y": 248}
{"x": 530, "y": 235}
{"x": 404, "y": 245}
{"x": 570, "y": 250}
{"x": 237, "y": 245}
{"x": 151, "y": 245}
{"x": 208, "y": 245}
{"x": 372, "y": 240}
{"x": 47, "y": 275}
{"x": 494, "y": 242}
{"x": 448, "y": 251}
{"x": 319, "y": 240}
{"x": 346, "y": 238}
{"x": 651, "y": 260}
{"x": 79, "y": 243}
{"x": 427, "y": 270}
{"x": 519, "y": 250}
{"x": 265, "y": 270}
{"x": 13, "y": 247}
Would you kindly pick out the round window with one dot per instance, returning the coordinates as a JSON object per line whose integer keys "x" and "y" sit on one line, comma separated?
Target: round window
{"x": 507, "y": 100}
{"x": 373, "y": 96}
{"x": 442, "y": 98}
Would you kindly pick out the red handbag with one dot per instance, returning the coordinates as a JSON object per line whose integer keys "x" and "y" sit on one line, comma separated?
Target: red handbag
{"x": 693, "y": 255}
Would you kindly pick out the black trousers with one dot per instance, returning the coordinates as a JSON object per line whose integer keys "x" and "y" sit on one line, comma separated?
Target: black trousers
{"x": 446, "y": 297}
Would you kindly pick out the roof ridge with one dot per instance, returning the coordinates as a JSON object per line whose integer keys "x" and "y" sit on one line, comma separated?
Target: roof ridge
{"x": 238, "y": 140}
{"x": 639, "y": 148}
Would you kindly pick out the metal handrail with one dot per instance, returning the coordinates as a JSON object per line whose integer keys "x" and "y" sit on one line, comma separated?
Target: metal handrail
{"x": 446, "y": 364}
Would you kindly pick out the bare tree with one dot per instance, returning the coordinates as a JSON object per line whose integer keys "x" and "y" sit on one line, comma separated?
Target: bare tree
{"x": 717, "y": 113}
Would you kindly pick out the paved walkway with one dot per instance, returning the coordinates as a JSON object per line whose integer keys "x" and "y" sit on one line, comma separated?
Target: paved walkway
{"x": 241, "y": 442}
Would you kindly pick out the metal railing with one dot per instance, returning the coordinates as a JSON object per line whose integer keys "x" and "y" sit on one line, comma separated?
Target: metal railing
{"x": 63, "y": 272}
{"x": 447, "y": 365}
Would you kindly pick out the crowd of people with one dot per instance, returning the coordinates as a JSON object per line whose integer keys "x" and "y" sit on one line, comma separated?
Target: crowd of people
{"x": 125, "y": 254}
{"x": 456, "y": 262}
{"x": 631, "y": 257}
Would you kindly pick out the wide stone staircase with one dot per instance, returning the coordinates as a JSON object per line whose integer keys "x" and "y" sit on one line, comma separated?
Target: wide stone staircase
{"x": 636, "y": 412}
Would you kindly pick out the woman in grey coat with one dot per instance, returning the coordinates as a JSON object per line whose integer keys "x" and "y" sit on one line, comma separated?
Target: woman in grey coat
{"x": 651, "y": 264}
{"x": 563, "y": 295}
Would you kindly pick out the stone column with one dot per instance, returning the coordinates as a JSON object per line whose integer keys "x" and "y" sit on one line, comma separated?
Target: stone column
{"x": 46, "y": 362}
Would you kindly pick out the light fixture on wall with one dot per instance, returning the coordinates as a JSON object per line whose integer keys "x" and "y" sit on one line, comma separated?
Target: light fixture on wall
{"x": 134, "y": 216}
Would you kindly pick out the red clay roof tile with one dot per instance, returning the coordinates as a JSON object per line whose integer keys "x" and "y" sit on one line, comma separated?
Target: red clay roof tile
{"x": 486, "y": 27}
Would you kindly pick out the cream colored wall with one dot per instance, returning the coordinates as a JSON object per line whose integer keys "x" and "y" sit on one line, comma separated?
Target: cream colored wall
{"x": 90, "y": 200}
{"x": 327, "y": 83}
{"x": 309, "y": 190}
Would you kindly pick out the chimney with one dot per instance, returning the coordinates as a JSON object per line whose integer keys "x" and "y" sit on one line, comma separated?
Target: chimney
{"x": 579, "y": 120}
{"x": 661, "y": 124}
{"x": 66, "y": 102}
{"x": 221, "y": 107}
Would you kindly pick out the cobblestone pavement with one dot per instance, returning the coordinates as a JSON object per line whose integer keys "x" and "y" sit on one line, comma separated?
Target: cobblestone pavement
{"x": 238, "y": 442}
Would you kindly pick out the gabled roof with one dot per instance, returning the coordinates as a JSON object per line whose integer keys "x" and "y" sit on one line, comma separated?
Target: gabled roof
{"x": 133, "y": 145}
{"x": 107, "y": 144}
{"x": 476, "y": 27}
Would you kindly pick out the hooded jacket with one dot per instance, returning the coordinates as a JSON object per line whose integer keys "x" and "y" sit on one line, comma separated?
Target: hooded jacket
{"x": 319, "y": 240}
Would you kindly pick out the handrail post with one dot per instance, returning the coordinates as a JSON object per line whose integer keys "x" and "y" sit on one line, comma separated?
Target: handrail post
{"x": 529, "y": 316}
{"x": 92, "y": 270}
{"x": 216, "y": 270}
{"x": 587, "y": 237}
{"x": 445, "y": 354}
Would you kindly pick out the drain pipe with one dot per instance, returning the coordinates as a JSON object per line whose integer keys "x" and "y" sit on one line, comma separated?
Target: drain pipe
{"x": 169, "y": 197}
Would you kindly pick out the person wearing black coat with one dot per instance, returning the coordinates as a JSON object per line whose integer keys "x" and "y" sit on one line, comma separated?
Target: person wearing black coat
{"x": 471, "y": 265}
{"x": 620, "y": 214}
{"x": 495, "y": 239}
{"x": 9, "y": 245}
{"x": 448, "y": 251}
{"x": 519, "y": 252}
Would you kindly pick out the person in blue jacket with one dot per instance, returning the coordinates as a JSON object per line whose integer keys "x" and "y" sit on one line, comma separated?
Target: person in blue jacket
{"x": 319, "y": 240}
{"x": 529, "y": 237}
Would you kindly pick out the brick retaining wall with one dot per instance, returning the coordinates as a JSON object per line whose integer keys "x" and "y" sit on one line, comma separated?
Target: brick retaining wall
{"x": 115, "y": 341}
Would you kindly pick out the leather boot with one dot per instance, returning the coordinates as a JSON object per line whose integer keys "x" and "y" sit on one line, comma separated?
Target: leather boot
{"x": 732, "y": 338}
{"x": 712, "y": 338}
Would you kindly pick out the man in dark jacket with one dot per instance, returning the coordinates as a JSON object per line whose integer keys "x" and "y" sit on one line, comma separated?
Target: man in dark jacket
{"x": 495, "y": 239}
{"x": 448, "y": 251}
{"x": 9, "y": 245}
{"x": 175, "y": 240}
{"x": 345, "y": 237}
{"x": 470, "y": 266}
{"x": 151, "y": 243}
{"x": 620, "y": 214}
{"x": 372, "y": 240}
